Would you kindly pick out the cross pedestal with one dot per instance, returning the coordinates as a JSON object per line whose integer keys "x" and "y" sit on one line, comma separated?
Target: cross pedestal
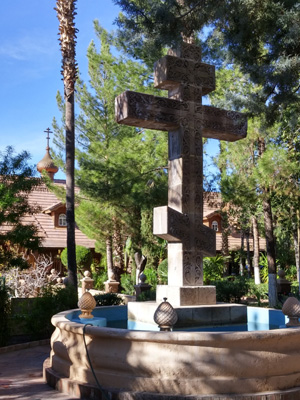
{"x": 182, "y": 114}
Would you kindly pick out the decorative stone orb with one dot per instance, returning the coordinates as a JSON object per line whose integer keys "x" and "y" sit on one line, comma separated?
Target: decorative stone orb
{"x": 86, "y": 304}
{"x": 87, "y": 274}
{"x": 165, "y": 316}
{"x": 291, "y": 308}
{"x": 142, "y": 278}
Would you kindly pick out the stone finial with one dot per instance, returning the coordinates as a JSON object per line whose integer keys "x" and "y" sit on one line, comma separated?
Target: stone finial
{"x": 291, "y": 308}
{"x": 165, "y": 316}
{"x": 87, "y": 282}
{"x": 142, "y": 286}
{"x": 86, "y": 304}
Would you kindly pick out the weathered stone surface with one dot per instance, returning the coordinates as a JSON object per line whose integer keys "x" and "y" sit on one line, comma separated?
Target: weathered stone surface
{"x": 187, "y": 79}
{"x": 200, "y": 315}
{"x": 187, "y": 295}
{"x": 186, "y": 50}
{"x": 147, "y": 111}
{"x": 171, "y": 71}
{"x": 174, "y": 226}
{"x": 153, "y": 112}
{"x": 223, "y": 125}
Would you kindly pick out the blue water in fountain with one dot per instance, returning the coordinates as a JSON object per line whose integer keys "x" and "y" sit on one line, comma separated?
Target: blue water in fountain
{"x": 259, "y": 319}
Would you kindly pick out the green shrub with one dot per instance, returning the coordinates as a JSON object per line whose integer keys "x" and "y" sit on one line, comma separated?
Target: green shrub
{"x": 99, "y": 279}
{"x": 231, "y": 290}
{"x": 151, "y": 275}
{"x": 295, "y": 289}
{"x": 52, "y": 301}
{"x": 4, "y": 315}
{"x": 83, "y": 257}
{"x": 127, "y": 283}
{"x": 291, "y": 273}
{"x": 162, "y": 271}
{"x": 108, "y": 299}
{"x": 213, "y": 268}
{"x": 258, "y": 291}
{"x": 149, "y": 295}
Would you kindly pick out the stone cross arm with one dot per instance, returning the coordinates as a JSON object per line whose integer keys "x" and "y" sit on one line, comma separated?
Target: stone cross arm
{"x": 160, "y": 113}
{"x": 176, "y": 227}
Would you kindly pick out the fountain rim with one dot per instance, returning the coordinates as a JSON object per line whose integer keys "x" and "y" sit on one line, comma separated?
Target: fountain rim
{"x": 61, "y": 321}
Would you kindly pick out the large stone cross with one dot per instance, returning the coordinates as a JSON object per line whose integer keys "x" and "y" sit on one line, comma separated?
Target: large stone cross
{"x": 182, "y": 114}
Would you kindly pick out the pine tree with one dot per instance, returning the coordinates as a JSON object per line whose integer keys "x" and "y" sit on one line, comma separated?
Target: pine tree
{"x": 121, "y": 169}
{"x": 246, "y": 184}
{"x": 261, "y": 36}
{"x": 16, "y": 182}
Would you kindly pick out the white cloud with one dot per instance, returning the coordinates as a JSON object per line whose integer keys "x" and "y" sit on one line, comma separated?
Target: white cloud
{"x": 27, "y": 47}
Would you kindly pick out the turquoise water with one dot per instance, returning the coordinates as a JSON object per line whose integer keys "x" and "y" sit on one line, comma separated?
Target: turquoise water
{"x": 250, "y": 326}
{"x": 116, "y": 317}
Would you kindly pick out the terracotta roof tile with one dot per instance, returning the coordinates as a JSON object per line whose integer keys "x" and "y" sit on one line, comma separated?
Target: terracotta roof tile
{"x": 52, "y": 237}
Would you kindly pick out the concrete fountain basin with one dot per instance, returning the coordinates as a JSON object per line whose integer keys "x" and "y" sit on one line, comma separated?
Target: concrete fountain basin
{"x": 202, "y": 364}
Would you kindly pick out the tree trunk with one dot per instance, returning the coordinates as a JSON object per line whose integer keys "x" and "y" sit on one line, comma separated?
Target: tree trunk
{"x": 296, "y": 240}
{"x": 256, "y": 251}
{"x": 270, "y": 239}
{"x": 241, "y": 253}
{"x": 296, "y": 247}
{"x": 118, "y": 250}
{"x": 225, "y": 247}
{"x": 248, "y": 252}
{"x": 271, "y": 255}
{"x": 109, "y": 259}
{"x": 70, "y": 189}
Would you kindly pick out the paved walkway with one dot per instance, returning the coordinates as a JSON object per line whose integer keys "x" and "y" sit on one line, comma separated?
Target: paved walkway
{"x": 21, "y": 374}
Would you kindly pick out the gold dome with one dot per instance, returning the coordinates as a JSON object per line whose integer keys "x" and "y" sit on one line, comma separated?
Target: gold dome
{"x": 47, "y": 164}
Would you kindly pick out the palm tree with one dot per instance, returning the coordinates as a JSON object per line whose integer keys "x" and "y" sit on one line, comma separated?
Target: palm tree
{"x": 66, "y": 13}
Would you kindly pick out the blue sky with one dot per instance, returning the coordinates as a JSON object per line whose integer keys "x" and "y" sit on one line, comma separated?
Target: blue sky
{"x": 30, "y": 64}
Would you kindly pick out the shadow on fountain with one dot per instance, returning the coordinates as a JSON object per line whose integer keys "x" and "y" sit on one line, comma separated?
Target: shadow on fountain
{"x": 151, "y": 365}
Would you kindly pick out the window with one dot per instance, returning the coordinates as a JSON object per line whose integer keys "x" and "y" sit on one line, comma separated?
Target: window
{"x": 214, "y": 226}
{"x": 62, "y": 220}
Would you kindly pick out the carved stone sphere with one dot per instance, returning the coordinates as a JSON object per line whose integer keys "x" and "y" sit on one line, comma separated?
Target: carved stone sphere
{"x": 165, "y": 316}
{"x": 291, "y": 308}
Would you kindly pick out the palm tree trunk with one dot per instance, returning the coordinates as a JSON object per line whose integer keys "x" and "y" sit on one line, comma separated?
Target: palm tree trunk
{"x": 66, "y": 15}
{"x": 70, "y": 189}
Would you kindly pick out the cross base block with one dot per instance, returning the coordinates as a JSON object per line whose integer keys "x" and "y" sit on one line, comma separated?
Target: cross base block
{"x": 186, "y": 295}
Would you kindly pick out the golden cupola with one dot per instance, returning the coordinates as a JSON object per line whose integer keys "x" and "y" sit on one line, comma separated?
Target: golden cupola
{"x": 47, "y": 162}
